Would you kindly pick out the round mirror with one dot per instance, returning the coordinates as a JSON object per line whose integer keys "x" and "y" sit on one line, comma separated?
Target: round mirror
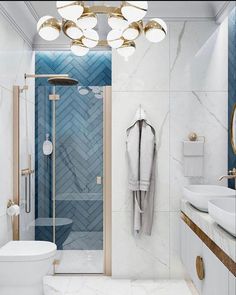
{"x": 233, "y": 129}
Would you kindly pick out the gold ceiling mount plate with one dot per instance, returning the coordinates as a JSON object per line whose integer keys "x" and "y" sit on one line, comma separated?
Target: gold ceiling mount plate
{"x": 79, "y": 21}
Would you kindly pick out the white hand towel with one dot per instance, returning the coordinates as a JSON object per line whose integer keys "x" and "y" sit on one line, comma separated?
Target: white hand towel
{"x": 193, "y": 148}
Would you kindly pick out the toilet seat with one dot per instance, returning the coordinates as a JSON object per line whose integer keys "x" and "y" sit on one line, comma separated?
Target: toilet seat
{"x": 27, "y": 251}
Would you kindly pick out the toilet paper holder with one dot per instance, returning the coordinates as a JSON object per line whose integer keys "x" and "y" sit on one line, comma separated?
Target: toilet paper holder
{"x": 194, "y": 137}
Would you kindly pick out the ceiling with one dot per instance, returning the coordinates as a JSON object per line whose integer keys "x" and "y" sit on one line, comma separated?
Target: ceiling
{"x": 25, "y": 14}
{"x": 155, "y": 8}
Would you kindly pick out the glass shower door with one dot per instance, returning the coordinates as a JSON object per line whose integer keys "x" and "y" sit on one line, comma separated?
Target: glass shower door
{"x": 43, "y": 165}
{"x": 79, "y": 180}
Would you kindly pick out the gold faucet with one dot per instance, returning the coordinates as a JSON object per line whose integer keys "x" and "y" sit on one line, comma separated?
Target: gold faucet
{"x": 231, "y": 175}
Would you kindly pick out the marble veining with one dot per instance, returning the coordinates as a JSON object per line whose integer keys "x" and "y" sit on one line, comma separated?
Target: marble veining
{"x": 204, "y": 221}
{"x": 107, "y": 286}
{"x": 178, "y": 51}
{"x": 209, "y": 111}
{"x": 196, "y": 51}
{"x": 201, "y": 112}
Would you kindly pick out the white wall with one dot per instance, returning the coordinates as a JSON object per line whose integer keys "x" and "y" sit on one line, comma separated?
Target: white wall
{"x": 182, "y": 84}
{"x": 16, "y": 58}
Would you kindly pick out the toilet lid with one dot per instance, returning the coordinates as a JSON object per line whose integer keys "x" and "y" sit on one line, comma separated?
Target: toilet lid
{"x": 27, "y": 250}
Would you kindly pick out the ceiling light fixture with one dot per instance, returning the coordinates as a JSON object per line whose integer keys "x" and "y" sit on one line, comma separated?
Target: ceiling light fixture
{"x": 78, "y": 48}
{"x": 132, "y": 31}
{"x": 78, "y": 23}
{"x": 117, "y": 21}
{"x": 88, "y": 20}
{"x": 90, "y": 38}
{"x": 127, "y": 49}
{"x": 115, "y": 39}
{"x": 48, "y": 28}
{"x": 72, "y": 30}
{"x": 134, "y": 10}
{"x": 70, "y": 10}
{"x": 155, "y": 30}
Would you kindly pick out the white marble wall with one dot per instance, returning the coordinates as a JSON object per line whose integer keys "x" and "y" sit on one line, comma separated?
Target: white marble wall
{"x": 16, "y": 58}
{"x": 182, "y": 84}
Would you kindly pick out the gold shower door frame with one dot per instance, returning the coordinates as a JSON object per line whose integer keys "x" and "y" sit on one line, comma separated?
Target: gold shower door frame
{"x": 106, "y": 168}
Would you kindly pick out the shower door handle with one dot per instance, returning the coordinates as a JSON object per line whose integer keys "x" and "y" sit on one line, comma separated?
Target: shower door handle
{"x": 27, "y": 174}
{"x": 28, "y": 193}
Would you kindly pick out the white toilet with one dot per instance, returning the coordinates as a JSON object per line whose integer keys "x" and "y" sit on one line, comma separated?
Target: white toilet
{"x": 23, "y": 264}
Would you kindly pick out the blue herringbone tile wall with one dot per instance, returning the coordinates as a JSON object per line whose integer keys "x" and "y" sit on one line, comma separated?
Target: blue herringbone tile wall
{"x": 231, "y": 82}
{"x": 79, "y": 140}
{"x": 92, "y": 69}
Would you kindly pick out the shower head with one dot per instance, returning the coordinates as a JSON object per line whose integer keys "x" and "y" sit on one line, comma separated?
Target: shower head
{"x": 62, "y": 81}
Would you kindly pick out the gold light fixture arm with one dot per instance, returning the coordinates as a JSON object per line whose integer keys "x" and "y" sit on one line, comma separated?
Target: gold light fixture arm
{"x": 103, "y": 9}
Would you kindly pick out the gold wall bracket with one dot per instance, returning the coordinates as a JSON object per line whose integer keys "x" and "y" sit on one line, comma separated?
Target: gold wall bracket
{"x": 27, "y": 171}
{"x": 24, "y": 88}
{"x": 10, "y": 203}
{"x": 54, "y": 97}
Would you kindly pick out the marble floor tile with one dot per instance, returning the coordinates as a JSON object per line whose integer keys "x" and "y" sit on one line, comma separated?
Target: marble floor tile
{"x": 80, "y": 261}
{"x": 165, "y": 287}
{"x": 101, "y": 285}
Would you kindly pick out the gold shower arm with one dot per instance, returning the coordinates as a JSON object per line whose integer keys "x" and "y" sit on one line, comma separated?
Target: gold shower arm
{"x": 45, "y": 75}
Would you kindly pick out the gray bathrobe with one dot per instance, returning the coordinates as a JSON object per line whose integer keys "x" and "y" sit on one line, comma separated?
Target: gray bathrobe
{"x": 141, "y": 155}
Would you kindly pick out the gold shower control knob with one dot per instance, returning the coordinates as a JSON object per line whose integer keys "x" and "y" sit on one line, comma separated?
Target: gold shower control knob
{"x": 200, "y": 268}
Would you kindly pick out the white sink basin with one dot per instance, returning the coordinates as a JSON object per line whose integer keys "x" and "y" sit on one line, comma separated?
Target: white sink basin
{"x": 223, "y": 212}
{"x": 199, "y": 195}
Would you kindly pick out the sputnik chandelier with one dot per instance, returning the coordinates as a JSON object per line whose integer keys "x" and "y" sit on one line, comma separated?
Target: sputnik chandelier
{"x": 78, "y": 23}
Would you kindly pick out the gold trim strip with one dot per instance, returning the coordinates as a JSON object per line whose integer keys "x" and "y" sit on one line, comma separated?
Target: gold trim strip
{"x": 219, "y": 253}
{"x": 231, "y": 129}
{"x": 107, "y": 219}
